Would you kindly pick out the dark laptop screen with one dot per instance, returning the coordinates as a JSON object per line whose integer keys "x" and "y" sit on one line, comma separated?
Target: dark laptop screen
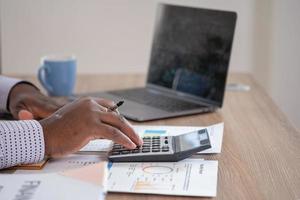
{"x": 191, "y": 51}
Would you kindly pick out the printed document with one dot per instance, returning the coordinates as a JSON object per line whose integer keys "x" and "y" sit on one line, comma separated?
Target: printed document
{"x": 190, "y": 177}
{"x": 98, "y": 145}
{"x": 76, "y": 184}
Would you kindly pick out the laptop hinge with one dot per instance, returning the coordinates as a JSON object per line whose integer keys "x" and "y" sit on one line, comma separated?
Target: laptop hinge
{"x": 180, "y": 95}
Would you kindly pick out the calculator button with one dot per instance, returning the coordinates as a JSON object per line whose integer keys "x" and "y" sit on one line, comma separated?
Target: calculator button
{"x": 165, "y": 148}
{"x": 146, "y": 150}
{"x": 125, "y": 152}
{"x": 115, "y": 153}
{"x": 166, "y": 138}
{"x": 166, "y": 142}
{"x": 155, "y": 137}
{"x": 155, "y": 150}
{"x": 203, "y": 142}
{"x": 135, "y": 151}
{"x": 155, "y": 147}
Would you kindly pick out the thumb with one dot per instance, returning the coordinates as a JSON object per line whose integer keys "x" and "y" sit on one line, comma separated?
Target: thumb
{"x": 25, "y": 115}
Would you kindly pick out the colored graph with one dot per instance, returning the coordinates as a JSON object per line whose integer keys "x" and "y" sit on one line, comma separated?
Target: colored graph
{"x": 146, "y": 185}
{"x": 155, "y": 177}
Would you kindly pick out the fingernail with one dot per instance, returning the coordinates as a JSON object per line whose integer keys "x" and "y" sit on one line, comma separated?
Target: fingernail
{"x": 25, "y": 115}
{"x": 132, "y": 146}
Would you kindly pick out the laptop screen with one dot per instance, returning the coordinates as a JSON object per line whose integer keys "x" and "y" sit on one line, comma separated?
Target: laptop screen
{"x": 191, "y": 51}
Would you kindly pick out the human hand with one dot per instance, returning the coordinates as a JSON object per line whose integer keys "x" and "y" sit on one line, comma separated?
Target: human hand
{"x": 27, "y": 102}
{"x": 85, "y": 119}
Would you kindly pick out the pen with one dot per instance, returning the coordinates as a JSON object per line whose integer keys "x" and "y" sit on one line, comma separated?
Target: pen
{"x": 116, "y": 106}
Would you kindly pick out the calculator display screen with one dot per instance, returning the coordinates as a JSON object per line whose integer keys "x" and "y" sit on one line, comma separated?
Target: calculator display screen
{"x": 189, "y": 141}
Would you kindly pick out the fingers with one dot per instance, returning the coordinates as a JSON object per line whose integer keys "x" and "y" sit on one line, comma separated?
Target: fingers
{"x": 38, "y": 108}
{"x": 104, "y": 102}
{"x": 122, "y": 124}
{"x": 111, "y": 125}
{"x": 45, "y": 108}
{"x": 115, "y": 135}
{"x": 107, "y": 104}
{"x": 116, "y": 120}
{"x": 25, "y": 115}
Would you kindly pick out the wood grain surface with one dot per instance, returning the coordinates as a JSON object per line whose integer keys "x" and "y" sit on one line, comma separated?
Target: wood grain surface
{"x": 260, "y": 156}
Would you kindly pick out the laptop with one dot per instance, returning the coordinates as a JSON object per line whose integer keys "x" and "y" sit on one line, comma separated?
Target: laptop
{"x": 188, "y": 65}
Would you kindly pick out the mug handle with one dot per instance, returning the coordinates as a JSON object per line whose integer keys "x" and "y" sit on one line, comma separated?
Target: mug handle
{"x": 42, "y": 78}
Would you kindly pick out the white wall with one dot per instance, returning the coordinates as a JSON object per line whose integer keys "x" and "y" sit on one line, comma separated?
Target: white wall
{"x": 114, "y": 36}
{"x": 106, "y": 35}
{"x": 277, "y": 53}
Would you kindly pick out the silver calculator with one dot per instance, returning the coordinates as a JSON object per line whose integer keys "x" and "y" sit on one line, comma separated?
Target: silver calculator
{"x": 163, "y": 148}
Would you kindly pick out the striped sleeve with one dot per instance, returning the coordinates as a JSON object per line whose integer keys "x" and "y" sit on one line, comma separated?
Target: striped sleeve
{"x": 21, "y": 142}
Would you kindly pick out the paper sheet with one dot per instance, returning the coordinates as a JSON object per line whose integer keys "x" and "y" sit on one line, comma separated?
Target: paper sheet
{"x": 189, "y": 177}
{"x": 215, "y": 133}
{"x": 46, "y": 186}
{"x": 98, "y": 145}
{"x": 76, "y": 184}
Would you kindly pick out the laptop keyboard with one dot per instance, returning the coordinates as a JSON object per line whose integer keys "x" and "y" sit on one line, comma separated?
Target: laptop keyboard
{"x": 143, "y": 96}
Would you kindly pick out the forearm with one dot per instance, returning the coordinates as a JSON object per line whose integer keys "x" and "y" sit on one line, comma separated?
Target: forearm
{"x": 21, "y": 142}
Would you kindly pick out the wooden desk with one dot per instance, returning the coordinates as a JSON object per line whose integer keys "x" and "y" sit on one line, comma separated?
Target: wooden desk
{"x": 260, "y": 156}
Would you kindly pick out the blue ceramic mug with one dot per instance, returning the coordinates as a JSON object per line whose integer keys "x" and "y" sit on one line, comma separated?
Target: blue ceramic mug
{"x": 58, "y": 75}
